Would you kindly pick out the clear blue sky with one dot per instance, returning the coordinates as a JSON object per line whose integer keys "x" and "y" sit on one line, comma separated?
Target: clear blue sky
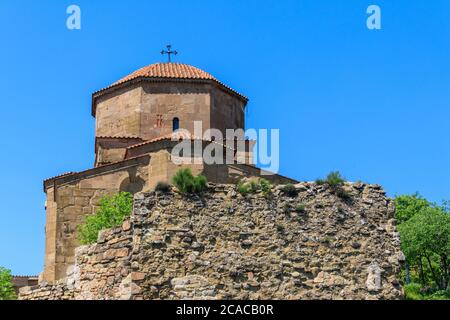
{"x": 372, "y": 104}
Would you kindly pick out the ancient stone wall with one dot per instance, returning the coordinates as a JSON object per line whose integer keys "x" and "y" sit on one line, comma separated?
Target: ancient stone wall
{"x": 100, "y": 271}
{"x": 223, "y": 245}
{"x": 71, "y": 199}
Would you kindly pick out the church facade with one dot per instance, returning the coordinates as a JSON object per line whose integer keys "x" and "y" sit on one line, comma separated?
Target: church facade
{"x": 136, "y": 118}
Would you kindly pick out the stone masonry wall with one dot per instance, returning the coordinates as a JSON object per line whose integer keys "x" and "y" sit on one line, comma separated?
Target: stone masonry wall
{"x": 68, "y": 208}
{"x": 227, "y": 246}
{"x": 100, "y": 271}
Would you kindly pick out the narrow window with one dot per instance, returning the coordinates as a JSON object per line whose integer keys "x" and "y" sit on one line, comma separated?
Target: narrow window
{"x": 175, "y": 124}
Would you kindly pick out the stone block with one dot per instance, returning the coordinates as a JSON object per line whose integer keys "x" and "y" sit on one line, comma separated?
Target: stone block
{"x": 138, "y": 276}
{"x": 126, "y": 225}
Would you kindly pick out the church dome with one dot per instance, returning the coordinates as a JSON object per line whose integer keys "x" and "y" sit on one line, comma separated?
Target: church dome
{"x": 168, "y": 70}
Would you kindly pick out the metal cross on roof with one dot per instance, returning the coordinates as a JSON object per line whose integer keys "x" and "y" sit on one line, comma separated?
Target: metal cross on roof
{"x": 169, "y": 52}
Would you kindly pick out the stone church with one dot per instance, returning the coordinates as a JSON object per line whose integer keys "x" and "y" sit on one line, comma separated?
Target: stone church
{"x": 135, "y": 118}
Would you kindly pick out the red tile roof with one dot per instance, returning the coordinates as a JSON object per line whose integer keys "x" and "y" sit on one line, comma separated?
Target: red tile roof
{"x": 60, "y": 176}
{"x": 176, "y": 136}
{"x": 168, "y": 70}
{"x": 171, "y": 136}
{"x": 161, "y": 71}
{"x": 90, "y": 170}
{"x": 118, "y": 137}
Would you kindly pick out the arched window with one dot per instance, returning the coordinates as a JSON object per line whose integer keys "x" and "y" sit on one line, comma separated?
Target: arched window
{"x": 175, "y": 124}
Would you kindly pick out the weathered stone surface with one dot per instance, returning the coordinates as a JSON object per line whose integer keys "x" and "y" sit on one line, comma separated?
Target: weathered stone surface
{"x": 179, "y": 247}
{"x": 373, "y": 282}
{"x": 126, "y": 225}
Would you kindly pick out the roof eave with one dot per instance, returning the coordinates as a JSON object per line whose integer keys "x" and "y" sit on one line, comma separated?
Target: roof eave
{"x": 120, "y": 85}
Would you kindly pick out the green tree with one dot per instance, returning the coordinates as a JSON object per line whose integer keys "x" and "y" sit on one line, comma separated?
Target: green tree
{"x": 425, "y": 236}
{"x": 425, "y": 240}
{"x": 409, "y": 205}
{"x": 112, "y": 212}
{"x": 6, "y": 286}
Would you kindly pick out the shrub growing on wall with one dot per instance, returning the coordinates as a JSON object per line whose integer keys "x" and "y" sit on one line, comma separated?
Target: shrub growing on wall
{"x": 247, "y": 187}
{"x": 186, "y": 182}
{"x": 6, "y": 286}
{"x": 112, "y": 213}
{"x": 334, "y": 179}
{"x": 254, "y": 186}
{"x": 290, "y": 190}
{"x": 335, "y": 182}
